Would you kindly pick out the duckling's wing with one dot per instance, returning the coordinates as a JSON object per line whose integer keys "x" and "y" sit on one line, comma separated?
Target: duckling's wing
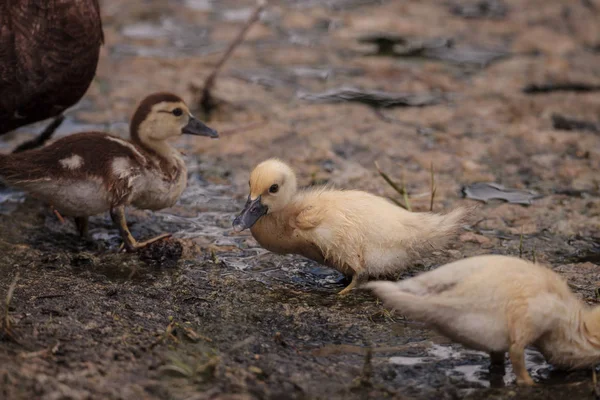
{"x": 309, "y": 218}
{"x": 80, "y": 157}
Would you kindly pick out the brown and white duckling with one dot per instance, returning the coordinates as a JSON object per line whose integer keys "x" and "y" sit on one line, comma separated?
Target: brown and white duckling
{"x": 497, "y": 304}
{"x": 90, "y": 173}
{"x": 355, "y": 232}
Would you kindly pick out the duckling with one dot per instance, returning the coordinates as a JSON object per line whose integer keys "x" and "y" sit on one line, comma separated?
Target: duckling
{"x": 497, "y": 304}
{"x": 355, "y": 232}
{"x": 92, "y": 172}
{"x": 48, "y": 57}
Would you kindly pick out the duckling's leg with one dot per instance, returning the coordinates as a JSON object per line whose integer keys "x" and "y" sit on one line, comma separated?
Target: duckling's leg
{"x": 517, "y": 359}
{"x": 497, "y": 358}
{"x": 118, "y": 216}
{"x": 356, "y": 279}
{"x": 497, "y": 370}
{"x": 58, "y": 216}
{"x": 82, "y": 226}
{"x": 42, "y": 137}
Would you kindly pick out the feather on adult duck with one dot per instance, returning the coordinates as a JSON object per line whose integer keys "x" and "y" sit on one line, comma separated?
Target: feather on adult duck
{"x": 48, "y": 57}
{"x": 90, "y": 173}
{"x": 497, "y": 304}
{"x": 355, "y": 232}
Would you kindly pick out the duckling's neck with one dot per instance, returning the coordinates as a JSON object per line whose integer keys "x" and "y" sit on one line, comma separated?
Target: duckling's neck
{"x": 270, "y": 231}
{"x": 575, "y": 342}
{"x": 161, "y": 148}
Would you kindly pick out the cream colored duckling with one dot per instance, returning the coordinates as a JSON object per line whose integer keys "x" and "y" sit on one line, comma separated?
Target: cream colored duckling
{"x": 496, "y": 304}
{"x": 355, "y": 232}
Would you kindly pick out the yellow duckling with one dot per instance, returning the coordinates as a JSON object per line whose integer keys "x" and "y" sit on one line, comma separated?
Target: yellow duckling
{"x": 355, "y": 232}
{"x": 496, "y": 304}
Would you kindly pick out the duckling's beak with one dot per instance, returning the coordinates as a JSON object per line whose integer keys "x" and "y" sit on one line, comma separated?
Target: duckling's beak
{"x": 252, "y": 211}
{"x": 197, "y": 127}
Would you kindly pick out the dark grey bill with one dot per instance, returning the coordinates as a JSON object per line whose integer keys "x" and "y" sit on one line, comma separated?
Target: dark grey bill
{"x": 252, "y": 211}
{"x": 197, "y": 127}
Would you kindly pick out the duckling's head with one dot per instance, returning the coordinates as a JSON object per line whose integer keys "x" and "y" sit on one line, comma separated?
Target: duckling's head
{"x": 272, "y": 186}
{"x": 161, "y": 116}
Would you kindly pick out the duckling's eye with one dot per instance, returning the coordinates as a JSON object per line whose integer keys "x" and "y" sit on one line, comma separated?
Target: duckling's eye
{"x": 274, "y": 188}
{"x": 177, "y": 112}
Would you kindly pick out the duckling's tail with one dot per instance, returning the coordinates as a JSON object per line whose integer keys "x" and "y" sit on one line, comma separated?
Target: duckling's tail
{"x": 418, "y": 307}
{"x": 434, "y": 231}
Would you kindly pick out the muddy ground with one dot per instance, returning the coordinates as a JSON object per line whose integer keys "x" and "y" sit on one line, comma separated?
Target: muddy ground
{"x": 208, "y": 314}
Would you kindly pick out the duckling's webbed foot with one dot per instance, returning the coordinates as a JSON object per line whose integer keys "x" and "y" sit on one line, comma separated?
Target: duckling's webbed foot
{"x": 42, "y": 137}
{"x": 81, "y": 223}
{"x": 517, "y": 359}
{"x": 356, "y": 279}
{"x": 139, "y": 245}
{"x": 118, "y": 216}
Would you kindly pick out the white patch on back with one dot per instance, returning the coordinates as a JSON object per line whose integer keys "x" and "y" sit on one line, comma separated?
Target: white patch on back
{"x": 121, "y": 167}
{"x": 128, "y": 145}
{"x": 72, "y": 162}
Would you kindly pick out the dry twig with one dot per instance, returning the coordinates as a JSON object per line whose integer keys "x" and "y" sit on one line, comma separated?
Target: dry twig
{"x": 6, "y": 321}
{"x": 521, "y": 244}
{"x": 433, "y": 188}
{"x": 207, "y": 103}
{"x": 401, "y": 190}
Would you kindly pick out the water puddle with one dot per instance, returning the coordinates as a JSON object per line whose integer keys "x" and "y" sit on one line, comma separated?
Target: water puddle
{"x": 474, "y": 366}
{"x": 199, "y": 5}
{"x": 10, "y": 199}
{"x": 237, "y": 15}
{"x": 332, "y": 4}
{"x": 165, "y": 38}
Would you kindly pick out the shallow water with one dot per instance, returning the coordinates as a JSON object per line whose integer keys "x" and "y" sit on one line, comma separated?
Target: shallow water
{"x": 473, "y": 366}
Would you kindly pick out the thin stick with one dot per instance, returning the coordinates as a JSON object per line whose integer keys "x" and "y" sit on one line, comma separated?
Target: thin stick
{"x": 9, "y": 295}
{"x": 396, "y": 202}
{"x": 433, "y": 188}
{"x": 405, "y": 193}
{"x": 401, "y": 191}
{"x": 521, "y": 244}
{"x": 206, "y": 102}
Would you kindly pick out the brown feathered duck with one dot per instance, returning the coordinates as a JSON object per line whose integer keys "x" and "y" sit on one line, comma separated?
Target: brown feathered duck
{"x": 48, "y": 57}
{"x": 355, "y": 232}
{"x": 92, "y": 172}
